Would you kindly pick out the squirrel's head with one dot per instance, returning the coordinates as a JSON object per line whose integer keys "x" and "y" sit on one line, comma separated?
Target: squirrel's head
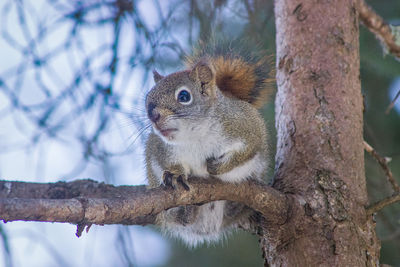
{"x": 178, "y": 103}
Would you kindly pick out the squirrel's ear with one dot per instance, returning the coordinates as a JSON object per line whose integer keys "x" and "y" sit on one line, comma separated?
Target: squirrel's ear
{"x": 157, "y": 76}
{"x": 202, "y": 72}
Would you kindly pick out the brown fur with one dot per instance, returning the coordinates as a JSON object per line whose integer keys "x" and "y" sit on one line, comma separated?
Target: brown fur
{"x": 238, "y": 78}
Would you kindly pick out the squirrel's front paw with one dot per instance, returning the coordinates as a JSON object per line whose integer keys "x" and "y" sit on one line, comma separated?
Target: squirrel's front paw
{"x": 214, "y": 165}
{"x": 173, "y": 179}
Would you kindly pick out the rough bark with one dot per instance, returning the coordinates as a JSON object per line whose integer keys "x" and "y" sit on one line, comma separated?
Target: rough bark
{"x": 90, "y": 202}
{"x": 320, "y": 159}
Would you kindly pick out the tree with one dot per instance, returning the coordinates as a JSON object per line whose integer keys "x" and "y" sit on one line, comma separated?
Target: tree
{"x": 316, "y": 211}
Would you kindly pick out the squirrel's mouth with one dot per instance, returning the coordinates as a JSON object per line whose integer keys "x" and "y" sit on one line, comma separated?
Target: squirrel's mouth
{"x": 167, "y": 132}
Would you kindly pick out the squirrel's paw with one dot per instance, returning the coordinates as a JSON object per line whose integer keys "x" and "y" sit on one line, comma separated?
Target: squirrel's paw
{"x": 183, "y": 215}
{"x": 174, "y": 179}
{"x": 214, "y": 165}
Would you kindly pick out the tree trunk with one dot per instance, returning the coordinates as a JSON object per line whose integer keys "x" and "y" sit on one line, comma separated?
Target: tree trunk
{"x": 319, "y": 120}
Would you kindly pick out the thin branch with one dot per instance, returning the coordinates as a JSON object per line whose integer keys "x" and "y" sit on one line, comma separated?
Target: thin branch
{"x": 383, "y": 203}
{"x": 383, "y": 162}
{"x": 86, "y": 202}
{"x": 392, "y": 103}
{"x": 379, "y": 27}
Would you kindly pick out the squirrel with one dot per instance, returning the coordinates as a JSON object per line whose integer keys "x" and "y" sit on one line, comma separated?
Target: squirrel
{"x": 205, "y": 123}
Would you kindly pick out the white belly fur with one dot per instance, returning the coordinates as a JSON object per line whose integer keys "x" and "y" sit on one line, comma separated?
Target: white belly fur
{"x": 208, "y": 226}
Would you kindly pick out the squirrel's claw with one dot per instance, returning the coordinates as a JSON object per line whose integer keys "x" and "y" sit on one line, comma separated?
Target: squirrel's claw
{"x": 174, "y": 180}
{"x": 183, "y": 181}
{"x": 167, "y": 179}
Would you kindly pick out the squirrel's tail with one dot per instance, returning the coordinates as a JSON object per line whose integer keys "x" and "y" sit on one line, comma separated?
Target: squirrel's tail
{"x": 241, "y": 71}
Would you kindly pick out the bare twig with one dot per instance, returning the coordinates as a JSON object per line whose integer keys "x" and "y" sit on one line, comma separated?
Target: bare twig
{"x": 379, "y": 27}
{"x": 86, "y": 202}
{"x": 392, "y": 103}
{"x": 383, "y": 162}
{"x": 383, "y": 203}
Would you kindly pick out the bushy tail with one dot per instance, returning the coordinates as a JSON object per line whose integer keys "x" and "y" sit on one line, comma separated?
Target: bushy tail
{"x": 242, "y": 70}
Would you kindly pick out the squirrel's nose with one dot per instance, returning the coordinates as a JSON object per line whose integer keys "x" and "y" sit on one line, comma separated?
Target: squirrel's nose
{"x": 153, "y": 114}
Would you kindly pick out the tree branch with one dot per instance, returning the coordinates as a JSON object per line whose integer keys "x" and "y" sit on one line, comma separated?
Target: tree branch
{"x": 379, "y": 27}
{"x": 391, "y": 105}
{"x": 383, "y": 203}
{"x": 383, "y": 162}
{"x": 86, "y": 202}
{"x": 389, "y": 200}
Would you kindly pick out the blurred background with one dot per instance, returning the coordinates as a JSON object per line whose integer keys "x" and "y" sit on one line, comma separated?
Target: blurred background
{"x": 73, "y": 77}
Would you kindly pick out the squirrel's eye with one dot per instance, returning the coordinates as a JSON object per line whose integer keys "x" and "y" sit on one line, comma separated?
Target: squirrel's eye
{"x": 183, "y": 96}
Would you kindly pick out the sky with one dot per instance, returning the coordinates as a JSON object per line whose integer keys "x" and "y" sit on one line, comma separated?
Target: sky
{"x": 52, "y": 244}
